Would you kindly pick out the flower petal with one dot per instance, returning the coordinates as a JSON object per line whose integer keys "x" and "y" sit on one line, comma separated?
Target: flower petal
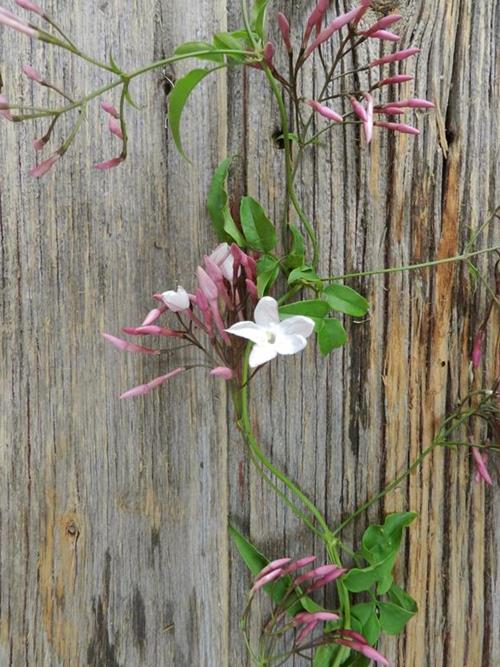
{"x": 266, "y": 312}
{"x": 285, "y": 344}
{"x": 249, "y": 330}
{"x": 297, "y": 324}
{"x": 260, "y": 354}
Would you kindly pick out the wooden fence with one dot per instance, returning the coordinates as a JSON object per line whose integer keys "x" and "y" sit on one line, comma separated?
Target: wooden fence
{"x": 114, "y": 546}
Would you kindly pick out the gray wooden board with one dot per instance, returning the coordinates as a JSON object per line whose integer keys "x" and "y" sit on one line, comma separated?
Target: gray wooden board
{"x": 114, "y": 549}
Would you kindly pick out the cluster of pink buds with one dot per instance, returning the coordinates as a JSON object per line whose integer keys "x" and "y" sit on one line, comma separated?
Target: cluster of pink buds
{"x": 226, "y": 294}
{"x": 117, "y": 129}
{"x": 303, "y": 623}
{"x": 362, "y": 102}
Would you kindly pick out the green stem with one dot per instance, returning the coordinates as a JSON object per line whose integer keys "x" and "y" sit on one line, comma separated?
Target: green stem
{"x": 245, "y": 426}
{"x": 412, "y": 267}
{"x": 289, "y": 167}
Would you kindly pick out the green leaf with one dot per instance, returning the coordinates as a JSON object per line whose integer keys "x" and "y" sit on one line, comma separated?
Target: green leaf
{"x": 323, "y": 655}
{"x": 331, "y": 334}
{"x": 305, "y": 275}
{"x": 268, "y": 268}
{"x": 393, "y": 618}
{"x": 177, "y": 101}
{"x": 254, "y": 560}
{"x": 309, "y": 308}
{"x": 258, "y": 17}
{"x": 197, "y": 47}
{"x": 258, "y": 229}
{"x": 346, "y": 300}
{"x": 295, "y": 257}
{"x": 402, "y": 598}
{"x": 227, "y": 40}
{"x": 128, "y": 97}
{"x": 218, "y": 206}
{"x": 358, "y": 579}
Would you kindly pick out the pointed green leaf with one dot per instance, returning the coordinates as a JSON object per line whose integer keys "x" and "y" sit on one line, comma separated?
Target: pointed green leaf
{"x": 258, "y": 17}
{"x": 393, "y": 618}
{"x": 268, "y": 268}
{"x": 195, "y": 48}
{"x": 346, "y": 300}
{"x": 308, "y": 307}
{"x": 331, "y": 334}
{"x": 177, "y": 101}
{"x": 258, "y": 229}
{"x": 218, "y": 206}
{"x": 305, "y": 275}
{"x": 295, "y": 257}
{"x": 227, "y": 40}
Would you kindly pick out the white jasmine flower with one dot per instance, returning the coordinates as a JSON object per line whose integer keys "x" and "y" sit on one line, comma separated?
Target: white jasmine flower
{"x": 270, "y": 336}
{"x": 176, "y": 301}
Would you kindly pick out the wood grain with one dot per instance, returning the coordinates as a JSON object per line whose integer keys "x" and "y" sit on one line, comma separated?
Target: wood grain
{"x": 114, "y": 550}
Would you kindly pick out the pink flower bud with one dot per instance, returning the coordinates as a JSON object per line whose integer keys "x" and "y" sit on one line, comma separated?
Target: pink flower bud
{"x": 480, "y": 461}
{"x": 273, "y": 565}
{"x": 153, "y": 315}
{"x": 315, "y": 18}
{"x": 251, "y": 288}
{"x": 146, "y": 388}
{"x": 307, "y": 617}
{"x": 325, "y": 111}
{"x": 414, "y": 103}
{"x": 382, "y": 23}
{"x": 30, "y": 7}
{"x": 298, "y": 564}
{"x": 268, "y": 53}
{"x": 44, "y": 166}
{"x": 398, "y": 78}
{"x": 385, "y": 35}
{"x": 359, "y": 109}
{"x": 397, "y": 127}
{"x": 109, "y": 108}
{"x": 39, "y": 144}
{"x": 32, "y": 73}
{"x": 368, "y": 124}
{"x": 222, "y": 372}
{"x": 333, "y": 27}
{"x": 109, "y": 164}
{"x": 284, "y": 27}
{"x": 390, "y": 111}
{"x": 125, "y": 346}
{"x": 9, "y": 20}
{"x": 395, "y": 57}
{"x": 207, "y": 285}
{"x": 151, "y": 330}
{"x": 266, "y": 579}
{"x": 4, "y": 102}
{"x": 115, "y": 128}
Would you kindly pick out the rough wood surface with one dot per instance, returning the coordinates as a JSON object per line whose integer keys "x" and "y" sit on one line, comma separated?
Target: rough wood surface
{"x": 114, "y": 550}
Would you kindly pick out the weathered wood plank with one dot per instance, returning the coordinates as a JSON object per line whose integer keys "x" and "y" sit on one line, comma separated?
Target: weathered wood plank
{"x": 114, "y": 548}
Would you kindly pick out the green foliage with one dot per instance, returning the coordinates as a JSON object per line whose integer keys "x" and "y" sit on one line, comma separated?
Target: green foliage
{"x": 296, "y": 256}
{"x": 380, "y": 545}
{"x": 258, "y": 229}
{"x": 258, "y": 17}
{"x": 305, "y": 275}
{"x": 177, "y": 101}
{"x": 314, "y": 308}
{"x": 331, "y": 334}
{"x": 346, "y": 300}
{"x": 196, "y": 48}
{"x": 268, "y": 268}
{"x": 231, "y": 41}
{"x": 218, "y": 206}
